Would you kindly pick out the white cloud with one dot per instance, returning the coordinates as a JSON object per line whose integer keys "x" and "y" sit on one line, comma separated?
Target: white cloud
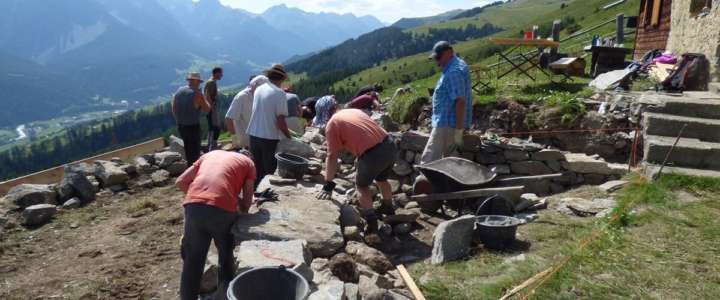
{"x": 387, "y": 11}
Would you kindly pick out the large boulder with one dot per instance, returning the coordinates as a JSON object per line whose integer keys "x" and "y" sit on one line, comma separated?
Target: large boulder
{"x": 25, "y": 195}
{"x": 296, "y": 215}
{"x": 110, "y": 174}
{"x": 64, "y": 190}
{"x": 167, "y": 158}
{"x": 371, "y": 257}
{"x": 82, "y": 187}
{"x": 414, "y": 141}
{"x": 177, "y": 145}
{"x": 295, "y": 147}
{"x": 177, "y": 168}
{"x": 452, "y": 239}
{"x": 38, "y": 214}
{"x": 82, "y": 168}
{"x": 331, "y": 290}
{"x": 142, "y": 165}
{"x": 344, "y": 267}
{"x": 582, "y": 163}
{"x": 160, "y": 178}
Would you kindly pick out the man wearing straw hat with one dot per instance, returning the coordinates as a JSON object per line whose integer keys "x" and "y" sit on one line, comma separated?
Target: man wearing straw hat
{"x": 268, "y": 120}
{"x": 187, "y": 104}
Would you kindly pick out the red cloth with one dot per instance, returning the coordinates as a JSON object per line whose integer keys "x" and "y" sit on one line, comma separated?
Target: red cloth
{"x": 217, "y": 179}
{"x": 363, "y": 101}
{"x": 353, "y": 130}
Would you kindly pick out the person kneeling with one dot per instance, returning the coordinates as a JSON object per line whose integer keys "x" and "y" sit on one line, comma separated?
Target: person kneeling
{"x": 353, "y": 130}
{"x": 212, "y": 185}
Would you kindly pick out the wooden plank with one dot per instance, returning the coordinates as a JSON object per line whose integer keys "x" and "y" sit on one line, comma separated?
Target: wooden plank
{"x": 469, "y": 194}
{"x": 54, "y": 175}
{"x": 524, "y": 42}
{"x": 656, "y": 13}
{"x": 410, "y": 283}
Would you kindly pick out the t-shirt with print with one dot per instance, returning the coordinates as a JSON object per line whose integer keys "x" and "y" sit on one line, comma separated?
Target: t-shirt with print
{"x": 269, "y": 102}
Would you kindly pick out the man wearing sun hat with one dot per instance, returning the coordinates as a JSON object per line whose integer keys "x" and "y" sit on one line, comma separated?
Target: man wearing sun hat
{"x": 268, "y": 121}
{"x": 452, "y": 104}
{"x": 187, "y": 104}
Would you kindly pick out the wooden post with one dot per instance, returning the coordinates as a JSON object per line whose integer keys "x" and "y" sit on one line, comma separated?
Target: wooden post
{"x": 620, "y": 29}
{"x": 555, "y": 37}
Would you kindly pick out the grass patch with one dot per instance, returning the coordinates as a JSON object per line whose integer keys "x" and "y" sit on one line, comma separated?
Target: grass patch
{"x": 401, "y": 107}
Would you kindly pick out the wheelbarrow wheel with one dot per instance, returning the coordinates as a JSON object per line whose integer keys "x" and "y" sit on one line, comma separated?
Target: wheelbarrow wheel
{"x": 422, "y": 186}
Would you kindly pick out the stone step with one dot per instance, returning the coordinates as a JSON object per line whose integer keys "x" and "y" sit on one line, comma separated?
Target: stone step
{"x": 690, "y": 104}
{"x": 651, "y": 169}
{"x": 689, "y": 152}
{"x": 707, "y": 130}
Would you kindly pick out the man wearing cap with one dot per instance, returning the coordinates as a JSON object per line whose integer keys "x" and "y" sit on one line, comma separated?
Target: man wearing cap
{"x": 187, "y": 103}
{"x": 212, "y": 186}
{"x": 268, "y": 121}
{"x": 353, "y": 130}
{"x": 238, "y": 116}
{"x": 211, "y": 95}
{"x": 452, "y": 104}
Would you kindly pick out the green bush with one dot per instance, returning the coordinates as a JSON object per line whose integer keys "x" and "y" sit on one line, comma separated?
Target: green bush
{"x": 571, "y": 107}
{"x": 401, "y": 106}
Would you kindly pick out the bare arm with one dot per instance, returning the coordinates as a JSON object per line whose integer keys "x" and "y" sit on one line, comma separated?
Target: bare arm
{"x": 172, "y": 106}
{"x": 183, "y": 182}
{"x": 247, "y": 196}
{"x": 230, "y": 125}
{"x": 201, "y": 103}
{"x": 332, "y": 165}
{"x": 460, "y": 113}
{"x": 282, "y": 125}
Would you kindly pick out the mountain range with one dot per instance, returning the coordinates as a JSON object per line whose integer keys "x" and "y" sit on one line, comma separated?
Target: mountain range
{"x": 61, "y": 57}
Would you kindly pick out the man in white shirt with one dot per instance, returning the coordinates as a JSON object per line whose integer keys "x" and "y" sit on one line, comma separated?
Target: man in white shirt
{"x": 267, "y": 121}
{"x": 238, "y": 116}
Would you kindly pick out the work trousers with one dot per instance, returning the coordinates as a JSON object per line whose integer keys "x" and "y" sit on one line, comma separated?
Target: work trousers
{"x": 263, "y": 151}
{"x": 439, "y": 145}
{"x": 190, "y": 135}
{"x": 202, "y": 224}
{"x": 213, "y": 131}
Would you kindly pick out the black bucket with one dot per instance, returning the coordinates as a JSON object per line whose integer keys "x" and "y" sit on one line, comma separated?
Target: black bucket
{"x": 269, "y": 283}
{"x": 496, "y": 232}
{"x": 291, "y": 166}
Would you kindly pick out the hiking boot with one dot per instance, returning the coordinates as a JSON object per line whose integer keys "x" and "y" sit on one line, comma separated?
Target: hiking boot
{"x": 371, "y": 219}
{"x": 386, "y": 209}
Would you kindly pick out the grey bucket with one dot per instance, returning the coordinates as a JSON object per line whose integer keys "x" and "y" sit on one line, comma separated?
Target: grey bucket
{"x": 269, "y": 283}
{"x": 291, "y": 166}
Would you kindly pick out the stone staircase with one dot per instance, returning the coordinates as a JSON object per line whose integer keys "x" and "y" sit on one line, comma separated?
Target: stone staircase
{"x": 698, "y": 151}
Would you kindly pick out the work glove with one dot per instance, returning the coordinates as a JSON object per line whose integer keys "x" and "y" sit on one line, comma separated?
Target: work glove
{"x": 458, "y": 138}
{"x": 326, "y": 193}
{"x": 295, "y": 135}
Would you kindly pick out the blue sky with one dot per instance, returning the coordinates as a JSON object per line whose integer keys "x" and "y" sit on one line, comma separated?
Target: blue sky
{"x": 387, "y": 11}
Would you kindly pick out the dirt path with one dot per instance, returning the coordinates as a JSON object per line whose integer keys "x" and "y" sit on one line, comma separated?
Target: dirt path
{"x": 120, "y": 247}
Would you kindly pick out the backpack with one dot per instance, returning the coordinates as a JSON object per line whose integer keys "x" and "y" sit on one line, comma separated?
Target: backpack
{"x": 691, "y": 74}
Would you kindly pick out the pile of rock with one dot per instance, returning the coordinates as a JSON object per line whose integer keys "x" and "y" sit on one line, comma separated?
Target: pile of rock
{"x": 83, "y": 182}
{"x": 542, "y": 171}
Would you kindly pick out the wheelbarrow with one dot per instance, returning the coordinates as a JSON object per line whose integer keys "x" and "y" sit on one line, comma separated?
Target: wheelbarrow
{"x": 457, "y": 180}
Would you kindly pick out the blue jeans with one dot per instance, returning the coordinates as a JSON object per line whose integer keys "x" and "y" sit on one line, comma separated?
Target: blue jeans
{"x": 202, "y": 224}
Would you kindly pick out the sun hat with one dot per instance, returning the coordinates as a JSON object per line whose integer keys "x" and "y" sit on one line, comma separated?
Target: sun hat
{"x": 194, "y": 76}
{"x": 276, "y": 69}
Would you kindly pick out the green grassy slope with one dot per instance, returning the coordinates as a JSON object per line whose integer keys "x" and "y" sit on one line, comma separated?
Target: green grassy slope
{"x": 513, "y": 17}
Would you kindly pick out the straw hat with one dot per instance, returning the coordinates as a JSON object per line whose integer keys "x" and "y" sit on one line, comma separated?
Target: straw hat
{"x": 277, "y": 69}
{"x": 194, "y": 76}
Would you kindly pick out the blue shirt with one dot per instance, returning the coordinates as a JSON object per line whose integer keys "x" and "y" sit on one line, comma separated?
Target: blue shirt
{"x": 454, "y": 83}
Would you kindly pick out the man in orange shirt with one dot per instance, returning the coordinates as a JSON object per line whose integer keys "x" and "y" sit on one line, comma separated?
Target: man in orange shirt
{"x": 212, "y": 186}
{"x": 353, "y": 130}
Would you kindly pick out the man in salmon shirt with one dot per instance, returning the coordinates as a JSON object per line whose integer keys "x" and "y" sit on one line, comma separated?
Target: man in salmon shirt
{"x": 353, "y": 130}
{"x": 212, "y": 185}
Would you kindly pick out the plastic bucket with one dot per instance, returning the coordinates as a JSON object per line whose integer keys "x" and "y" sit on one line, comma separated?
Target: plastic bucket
{"x": 269, "y": 283}
{"x": 291, "y": 166}
{"x": 496, "y": 232}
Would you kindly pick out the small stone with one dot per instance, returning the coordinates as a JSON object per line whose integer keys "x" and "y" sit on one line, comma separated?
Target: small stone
{"x": 176, "y": 168}
{"x": 386, "y": 229}
{"x": 412, "y": 205}
{"x": 38, "y": 214}
{"x": 516, "y": 258}
{"x": 401, "y": 200}
{"x": 369, "y": 289}
{"x": 142, "y": 165}
{"x": 530, "y": 167}
{"x": 160, "y": 178}
{"x": 526, "y": 201}
{"x": 375, "y": 259}
{"x": 402, "y": 168}
{"x": 331, "y": 290}
{"x": 352, "y": 291}
{"x": 167, "y": 158}
{"x": 352, "y": 233}
{"x": 402, "y": 229}
{"x": 208, "y": 281}
{"x": 275, "y": 180}
{"x": 554, "y": 165}
{"x": 548, "y": 154}
{"x": 516, "y": 155}
{"x": 72, "y": 203}
{"x": 613, "y": 185}
{"x": 350, "y": 216}
{"x": 402, "y": 216}
{"x": 344, "y": 267}
{"x": 406, "y": 188}
{"x": 110, "y": 174}
{"x": 527, "y": 217}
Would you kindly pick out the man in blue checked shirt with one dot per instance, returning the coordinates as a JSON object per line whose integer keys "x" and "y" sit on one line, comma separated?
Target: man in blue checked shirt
{"x": 452, "y": 104}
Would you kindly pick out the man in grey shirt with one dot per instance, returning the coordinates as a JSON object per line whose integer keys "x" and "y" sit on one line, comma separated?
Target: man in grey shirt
{"x": 187, "y": 103}
{"x": 211, "y": 95}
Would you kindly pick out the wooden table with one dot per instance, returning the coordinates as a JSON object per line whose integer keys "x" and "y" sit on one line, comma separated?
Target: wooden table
{"x": 521, "y": 59}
